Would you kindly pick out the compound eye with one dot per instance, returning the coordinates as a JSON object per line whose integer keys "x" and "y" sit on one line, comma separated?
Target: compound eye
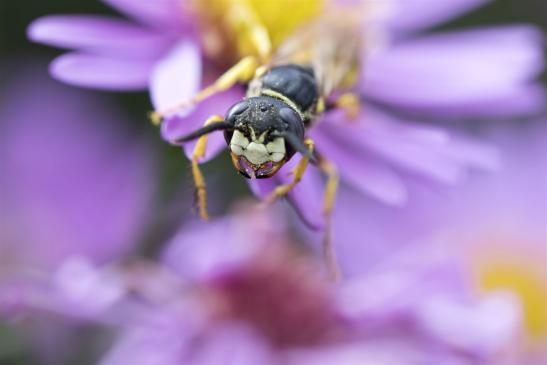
{"x": 290, "y": 117}
{"x": 236, "y": 110}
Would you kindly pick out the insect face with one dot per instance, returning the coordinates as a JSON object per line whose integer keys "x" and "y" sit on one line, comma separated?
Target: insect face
{"x": 264, "y": 133}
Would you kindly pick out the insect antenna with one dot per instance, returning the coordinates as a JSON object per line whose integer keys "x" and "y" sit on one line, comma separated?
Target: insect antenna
{"x": 298, "y": 145}
{"x": 203, "y": 131}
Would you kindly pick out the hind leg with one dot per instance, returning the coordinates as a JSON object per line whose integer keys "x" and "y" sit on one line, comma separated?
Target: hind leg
{"x": 329, "y": 198}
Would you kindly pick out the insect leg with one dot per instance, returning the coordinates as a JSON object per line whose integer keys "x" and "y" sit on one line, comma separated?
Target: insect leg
{"x": 199, "y": 181}
{"x": 328, "y": 204}
{"x": 298, "y": 172}
{"x": 349, "y": 102}
{"x": 243, "y": 72}
{"x": 328, "y": 200}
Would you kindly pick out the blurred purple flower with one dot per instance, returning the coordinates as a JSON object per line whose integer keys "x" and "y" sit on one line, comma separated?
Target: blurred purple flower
{"x": 494, "y": 226}
{"x": 241, "y": 292}
{"x": 259, "y": 303}
{"x": 499, "y": 222}
{"x": 73, "y": 181}
{"x": 487, "y": 72}
{"x": 75, "y": 185}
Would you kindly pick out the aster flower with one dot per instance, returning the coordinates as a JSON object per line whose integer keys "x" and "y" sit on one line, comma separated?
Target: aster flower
{"x": 481, "y": 72}
{"x": 72, "y": 185}
{"x": 494, "y": 226}
{"x": 264, "y": 303}
{"x": 502, "y": 238}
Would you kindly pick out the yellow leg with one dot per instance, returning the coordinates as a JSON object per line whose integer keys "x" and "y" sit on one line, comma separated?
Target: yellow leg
{"x": 199, "y": 181}
{"x": 298, "y": 172}
{"x": 350, "y": 103}
{"x": 328, "y": 202}
{"x": 328, "y": 205}
{"x": 243, "y": 71}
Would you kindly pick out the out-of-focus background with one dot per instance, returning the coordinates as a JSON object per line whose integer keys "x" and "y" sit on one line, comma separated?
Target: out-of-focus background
{"x": 140, "y": 180}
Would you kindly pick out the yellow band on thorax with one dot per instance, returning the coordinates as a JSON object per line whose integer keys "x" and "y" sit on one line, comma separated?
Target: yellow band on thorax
{"x": 286, "y": 100}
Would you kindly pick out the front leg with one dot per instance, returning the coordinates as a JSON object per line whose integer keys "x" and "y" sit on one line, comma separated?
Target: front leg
{"x": 329, "y": 197}
{"x": 199, "y": 180}
{"x": 298, "y": 172}
{"x": 241, "y": 72}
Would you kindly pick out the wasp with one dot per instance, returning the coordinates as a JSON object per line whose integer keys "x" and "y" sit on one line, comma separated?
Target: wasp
{"x": 288, "y": 89}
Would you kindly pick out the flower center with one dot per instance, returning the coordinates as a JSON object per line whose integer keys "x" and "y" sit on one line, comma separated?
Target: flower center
{"x": 524, "y": 275}
{"x": 226, "y": 23}
{"x": 289, "y": 305}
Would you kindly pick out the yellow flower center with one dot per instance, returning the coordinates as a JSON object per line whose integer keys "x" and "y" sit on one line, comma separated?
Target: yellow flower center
{"x": 524, "y": 274}
{"x": 228, "y": 25}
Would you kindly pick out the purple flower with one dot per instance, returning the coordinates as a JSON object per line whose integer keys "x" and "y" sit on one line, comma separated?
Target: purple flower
{"x": 494, "y": 226}
{"x": 73, "y": 184}
{"x": 264, "y": 303}
{"x": 76, "y": 189}
{"x": 500, "y": 225}
{"x": 485, "y": 72}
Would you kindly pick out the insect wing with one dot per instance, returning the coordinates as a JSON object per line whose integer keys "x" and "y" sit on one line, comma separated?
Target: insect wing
{"x": 331, "y": 44}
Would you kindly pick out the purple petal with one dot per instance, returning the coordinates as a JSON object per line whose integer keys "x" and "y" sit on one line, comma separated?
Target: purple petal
{"x": 425, "y": 160}
{"x": 152, "y": 344}
{"x": 400, "y": 279}
{"x": 377, "y": 351}
{"x": 359, "y": 169}
{"x": 457, "y": 69}
{"x": 262, "y": 187}
{"x": 444, "y": 159}
{"x": 474, "y": 154}
{"x": 482, "y": 328}
{"x": 101, "y": 72}
{"x": 377, "y": 134}
{"x": 410, "y": 16}
{"x": 157, "y": 13}
{"x": 526, "y": 99}
{"x": 176, "y": 76}
{"x": 197, "y": 253}
{"x": 234, "y": 345}
{"x": 99, "y": 34}
{"x": 306, "y": 197}
{"x": 415, "y": 149}
{"x": 89, "y": 289}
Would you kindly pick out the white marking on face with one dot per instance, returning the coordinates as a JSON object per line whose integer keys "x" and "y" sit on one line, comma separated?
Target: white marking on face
{"x": 237, "y": 149}
{"x": 276, "y": 148}
{"x": 276, "y": 156}
{"x": 239, "y": 139}
{"x": 255, "y": 151}
{"x": 277, "y": 145}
